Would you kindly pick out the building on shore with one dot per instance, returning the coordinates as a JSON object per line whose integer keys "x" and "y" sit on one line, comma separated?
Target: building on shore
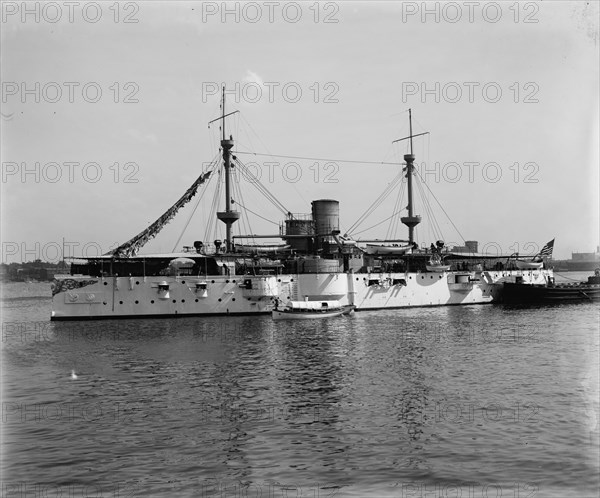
{"x": 580, "y": 261}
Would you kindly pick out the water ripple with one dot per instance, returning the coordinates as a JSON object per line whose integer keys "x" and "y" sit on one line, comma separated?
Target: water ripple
{"x": 475, "y": 398}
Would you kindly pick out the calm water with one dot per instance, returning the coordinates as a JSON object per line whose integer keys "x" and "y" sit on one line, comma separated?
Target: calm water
{"x": 458, "y": 401}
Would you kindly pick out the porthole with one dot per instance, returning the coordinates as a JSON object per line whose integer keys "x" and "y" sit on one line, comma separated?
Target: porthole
{"x": 220, "y": 299}
{"x": 137, "y": 302}
{"x": 137, "y": 282}
{"x": 183, "y": 300}
{"x": 182, "y": 282}
{"x": 120, "y": 302}
{"x": 291, "y": 279}
{"x": 152, "y": 302}
{"x": 174, "y": 300}
{"x": 233, "y": 298}
{"x": 196, "y": 300}
{"x": 212, "y": 281}
{"x": 105, "y": 283}
{"x": 226, "y": 281}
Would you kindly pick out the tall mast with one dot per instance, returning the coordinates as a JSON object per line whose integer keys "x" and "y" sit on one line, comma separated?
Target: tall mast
{"x": 223, "y": 113}
{"x": 409, "y": 128}
{"x": 412, "y": 220}
{"x": 228, "y": 216}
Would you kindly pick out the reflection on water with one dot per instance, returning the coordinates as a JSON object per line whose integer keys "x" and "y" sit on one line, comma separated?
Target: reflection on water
{"x": 389, "y": 403}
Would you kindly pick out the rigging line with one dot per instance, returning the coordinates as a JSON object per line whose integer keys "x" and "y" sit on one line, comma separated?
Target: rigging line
{"x": 214, "y": 144}
{"x": 432, "y": 225}
{"x": 423, "y": 199}
{"x": 389, "y": 229}
{"x": 200, "y": 196}
{"x": 403, "y": 184}
{"x": 418, "y": 123}
{"x": 212, "y": 214}
{"x": 438, "y": 228}
{"x": 371, "y": 211}
{"x": 377, "y": 202}
{"x": 292, "y": 184}
{"x": 237, "y": 124}
{"x": 267, "y": 149}
{"x": 435, "y": 227}
{"x": 187, "y": 223}
{"x": 242, "y": 204}
{"x": 241, "y": 141}
{"x": 316, "y": 158}
{"x": 214, "y": 206}
{"x": 212, "y": 226}
{"x": 261, "y": 188}
{"x": 234, "y": 201}
{"x": 442, "y": 208}
{"x": 393, "y": 221}
{"x": 393, "y": 228}
{"x": 382, "y": 221}
{"x": 390, "y": 151}
{"x": 244, "y": 218}
{"x": 256, "y": 214}
{"x": 435, "y": 224}
{"x": 215, "y": 140}
{"x": 398, "y": 220}
{"x": 254, "y": 131}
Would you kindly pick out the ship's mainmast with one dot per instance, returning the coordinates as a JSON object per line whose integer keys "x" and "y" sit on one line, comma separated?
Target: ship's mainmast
{"x": 228, "y": 216}
{"x": 412, "y": 220}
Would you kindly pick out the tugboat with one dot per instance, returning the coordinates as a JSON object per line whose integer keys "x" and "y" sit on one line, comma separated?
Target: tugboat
{"x": 520, "y": 292}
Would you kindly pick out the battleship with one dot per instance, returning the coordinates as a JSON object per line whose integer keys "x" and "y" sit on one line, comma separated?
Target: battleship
{"x": 312, "y": 261}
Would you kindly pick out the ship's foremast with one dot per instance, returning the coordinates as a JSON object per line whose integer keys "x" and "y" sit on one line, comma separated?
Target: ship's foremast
{"x": 412, "y": 220}
{"x": 229, "y": 216}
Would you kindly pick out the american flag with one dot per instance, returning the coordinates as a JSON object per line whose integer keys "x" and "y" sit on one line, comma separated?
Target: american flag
{"x": 547, "y": 249}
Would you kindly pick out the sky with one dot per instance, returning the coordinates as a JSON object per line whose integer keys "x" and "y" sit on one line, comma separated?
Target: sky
{"x": 105, "y": 112}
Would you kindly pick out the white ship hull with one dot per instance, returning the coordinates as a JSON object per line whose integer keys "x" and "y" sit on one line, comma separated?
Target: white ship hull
{"x": 317, "y": 254}
{"x": 83, "y": 297}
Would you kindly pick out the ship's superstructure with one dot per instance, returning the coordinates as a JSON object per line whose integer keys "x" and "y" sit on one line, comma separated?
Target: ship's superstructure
{"x": 313, "y": 261}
